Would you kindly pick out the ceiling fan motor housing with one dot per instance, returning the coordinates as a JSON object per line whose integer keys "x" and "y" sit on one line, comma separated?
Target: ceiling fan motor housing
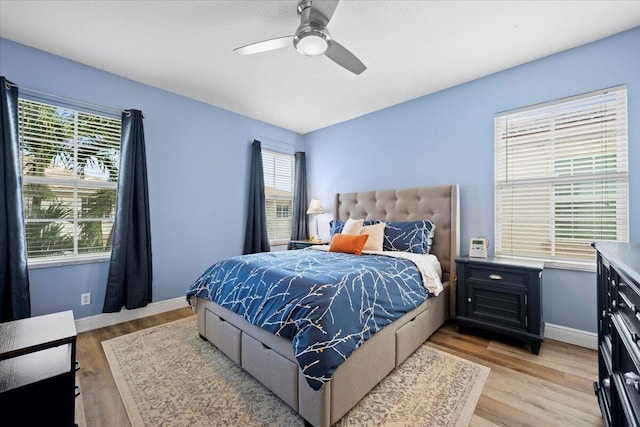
{"x": 311, "y": 39}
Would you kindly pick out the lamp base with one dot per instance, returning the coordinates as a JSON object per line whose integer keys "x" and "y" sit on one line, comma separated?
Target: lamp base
{"x": 317, "y": 236}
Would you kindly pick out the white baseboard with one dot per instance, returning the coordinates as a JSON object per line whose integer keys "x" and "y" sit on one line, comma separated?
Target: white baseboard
{"x": 107, "y": 319}
{"x": 571, "y": 336}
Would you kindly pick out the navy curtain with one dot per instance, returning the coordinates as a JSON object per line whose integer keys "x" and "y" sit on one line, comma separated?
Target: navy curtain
{"x": 299, "y": 224}
{"x": 130, "y": 276}
{"x": 15, "y": 302}
{"x": 256, "y": 238}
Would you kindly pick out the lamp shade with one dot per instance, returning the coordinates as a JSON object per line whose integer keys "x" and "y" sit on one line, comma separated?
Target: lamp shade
{"x": 315, "y": 207}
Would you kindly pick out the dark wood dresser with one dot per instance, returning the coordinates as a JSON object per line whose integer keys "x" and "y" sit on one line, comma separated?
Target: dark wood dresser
{"x": 618, "y": 385}
{"x": 501, "y": 295}
{"x": 37, "y": 370}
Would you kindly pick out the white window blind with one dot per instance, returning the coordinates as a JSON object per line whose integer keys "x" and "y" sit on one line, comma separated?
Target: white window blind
{"x": 278, "y": 188}
{"x": 70, "y": 163}
{"x": 561, "y": 178}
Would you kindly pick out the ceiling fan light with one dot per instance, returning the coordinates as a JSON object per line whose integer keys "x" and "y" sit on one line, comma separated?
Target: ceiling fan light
{"x": 312, "y": 45}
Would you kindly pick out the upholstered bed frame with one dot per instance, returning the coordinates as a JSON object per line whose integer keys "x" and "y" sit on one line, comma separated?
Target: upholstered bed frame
{"x": 270, "y": 359}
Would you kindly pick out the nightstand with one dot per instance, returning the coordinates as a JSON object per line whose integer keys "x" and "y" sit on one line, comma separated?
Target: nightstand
{"x": 37, "y": 370}
{"x": 501, "y": 295}
{"x": 301, "y": 244}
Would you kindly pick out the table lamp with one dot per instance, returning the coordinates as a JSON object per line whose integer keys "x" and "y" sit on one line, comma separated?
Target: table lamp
{"x": 315, "y": 208}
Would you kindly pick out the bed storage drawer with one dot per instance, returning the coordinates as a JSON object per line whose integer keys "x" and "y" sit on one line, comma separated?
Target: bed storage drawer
{"x": 223, "y": 335}
{"x": 411, "y": 335}
{"x": 275, "y": 371}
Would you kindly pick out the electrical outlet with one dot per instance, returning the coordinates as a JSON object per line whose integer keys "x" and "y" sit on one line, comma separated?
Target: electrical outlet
{"x": 85, "y": 299}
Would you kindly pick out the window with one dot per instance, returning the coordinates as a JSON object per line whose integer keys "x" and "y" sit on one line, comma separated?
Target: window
{"x": 282, "y": 209}
{"x": 70, "y": 162}
{"x": 561, "y": 178}
{"x": 278, "y": 189}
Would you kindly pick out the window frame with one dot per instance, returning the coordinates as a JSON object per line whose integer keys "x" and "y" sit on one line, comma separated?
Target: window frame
{"x": 76, "y": 185}
{"x": 579, "y": 188}
{"x": 275, "y": 154}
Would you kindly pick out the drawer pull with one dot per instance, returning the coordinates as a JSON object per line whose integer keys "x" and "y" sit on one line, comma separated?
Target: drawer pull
{"x": 628, "y": 303}
{"x": 468, "y": 299}
{"x": 631, "y": 378}
{"x": 495, "y": 277}
{"x": 635, "y": 337}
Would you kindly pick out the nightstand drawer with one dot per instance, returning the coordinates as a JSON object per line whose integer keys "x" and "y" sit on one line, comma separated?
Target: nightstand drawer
{"x": 496, "y": 275}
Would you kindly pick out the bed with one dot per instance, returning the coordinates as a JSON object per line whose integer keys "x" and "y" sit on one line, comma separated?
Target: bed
{"x": 270, "y": 358}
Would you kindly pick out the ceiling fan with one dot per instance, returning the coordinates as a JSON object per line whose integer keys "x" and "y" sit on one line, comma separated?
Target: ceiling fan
{"x": 312, "y": 37}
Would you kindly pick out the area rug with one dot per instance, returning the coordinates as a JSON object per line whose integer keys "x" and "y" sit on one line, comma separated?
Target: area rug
{"x": 168, "y": 376}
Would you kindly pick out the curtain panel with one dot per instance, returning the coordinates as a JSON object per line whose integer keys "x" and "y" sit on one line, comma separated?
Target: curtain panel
{"x": 256, "y": 237}
{"x": 130, "y": 271}
{"x": 299, "y": 223}
{"x": 15, "y": 301}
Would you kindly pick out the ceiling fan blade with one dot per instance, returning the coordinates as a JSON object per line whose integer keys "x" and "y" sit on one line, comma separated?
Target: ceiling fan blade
{"x": 322, "y": 11}
{"x": 265, "y": 46}
{"x": 341, "y": 56}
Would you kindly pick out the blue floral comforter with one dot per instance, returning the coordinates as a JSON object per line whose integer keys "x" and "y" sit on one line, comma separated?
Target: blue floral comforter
{"x": 327, "y": 303}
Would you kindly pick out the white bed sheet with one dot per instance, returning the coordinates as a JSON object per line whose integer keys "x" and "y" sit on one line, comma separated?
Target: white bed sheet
{"x": 427, "y": 264}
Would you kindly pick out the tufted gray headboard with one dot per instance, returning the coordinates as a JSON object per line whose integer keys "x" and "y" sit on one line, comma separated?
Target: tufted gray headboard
{"x": 438, "y": 204}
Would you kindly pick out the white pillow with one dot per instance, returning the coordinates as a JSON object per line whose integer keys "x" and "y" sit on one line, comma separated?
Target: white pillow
{"x": 352, "y": 226}
{"x": 376, "y": 236}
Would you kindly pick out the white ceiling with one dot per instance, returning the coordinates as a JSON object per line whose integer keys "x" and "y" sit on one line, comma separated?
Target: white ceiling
{"x": 411, "y": 48}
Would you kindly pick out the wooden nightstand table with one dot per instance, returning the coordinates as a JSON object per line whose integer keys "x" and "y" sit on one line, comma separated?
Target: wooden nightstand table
{"x": 501, "y": 295}
{"x": 37, "y": 370}
{"x": 301, "y": 244}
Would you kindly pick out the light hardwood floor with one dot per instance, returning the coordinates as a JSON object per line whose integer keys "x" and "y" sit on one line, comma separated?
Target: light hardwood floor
{"x": 102, "y": 404}
{"x": 554, "y": 388}
{"x": 551, "y": 389}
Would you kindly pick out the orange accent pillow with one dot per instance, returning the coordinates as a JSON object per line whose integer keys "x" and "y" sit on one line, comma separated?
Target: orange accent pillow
{"x": 348, "y": 243}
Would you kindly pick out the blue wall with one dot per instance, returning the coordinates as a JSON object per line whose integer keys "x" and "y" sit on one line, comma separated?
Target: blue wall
{"x": 197, "y": 157}
{"x": 447, "y": 137}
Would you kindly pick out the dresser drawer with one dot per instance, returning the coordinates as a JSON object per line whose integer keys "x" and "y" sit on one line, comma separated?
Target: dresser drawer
{"x": 626, "y": 375}
{"x": 627, "y": 386}
{"x": 603, "y": 392}
{"x": 628, "y": 303}
{"x": 496, "y": 275}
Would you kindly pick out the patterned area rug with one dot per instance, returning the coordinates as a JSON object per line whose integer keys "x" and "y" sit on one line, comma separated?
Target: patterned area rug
{"x": 168, "y": 376}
